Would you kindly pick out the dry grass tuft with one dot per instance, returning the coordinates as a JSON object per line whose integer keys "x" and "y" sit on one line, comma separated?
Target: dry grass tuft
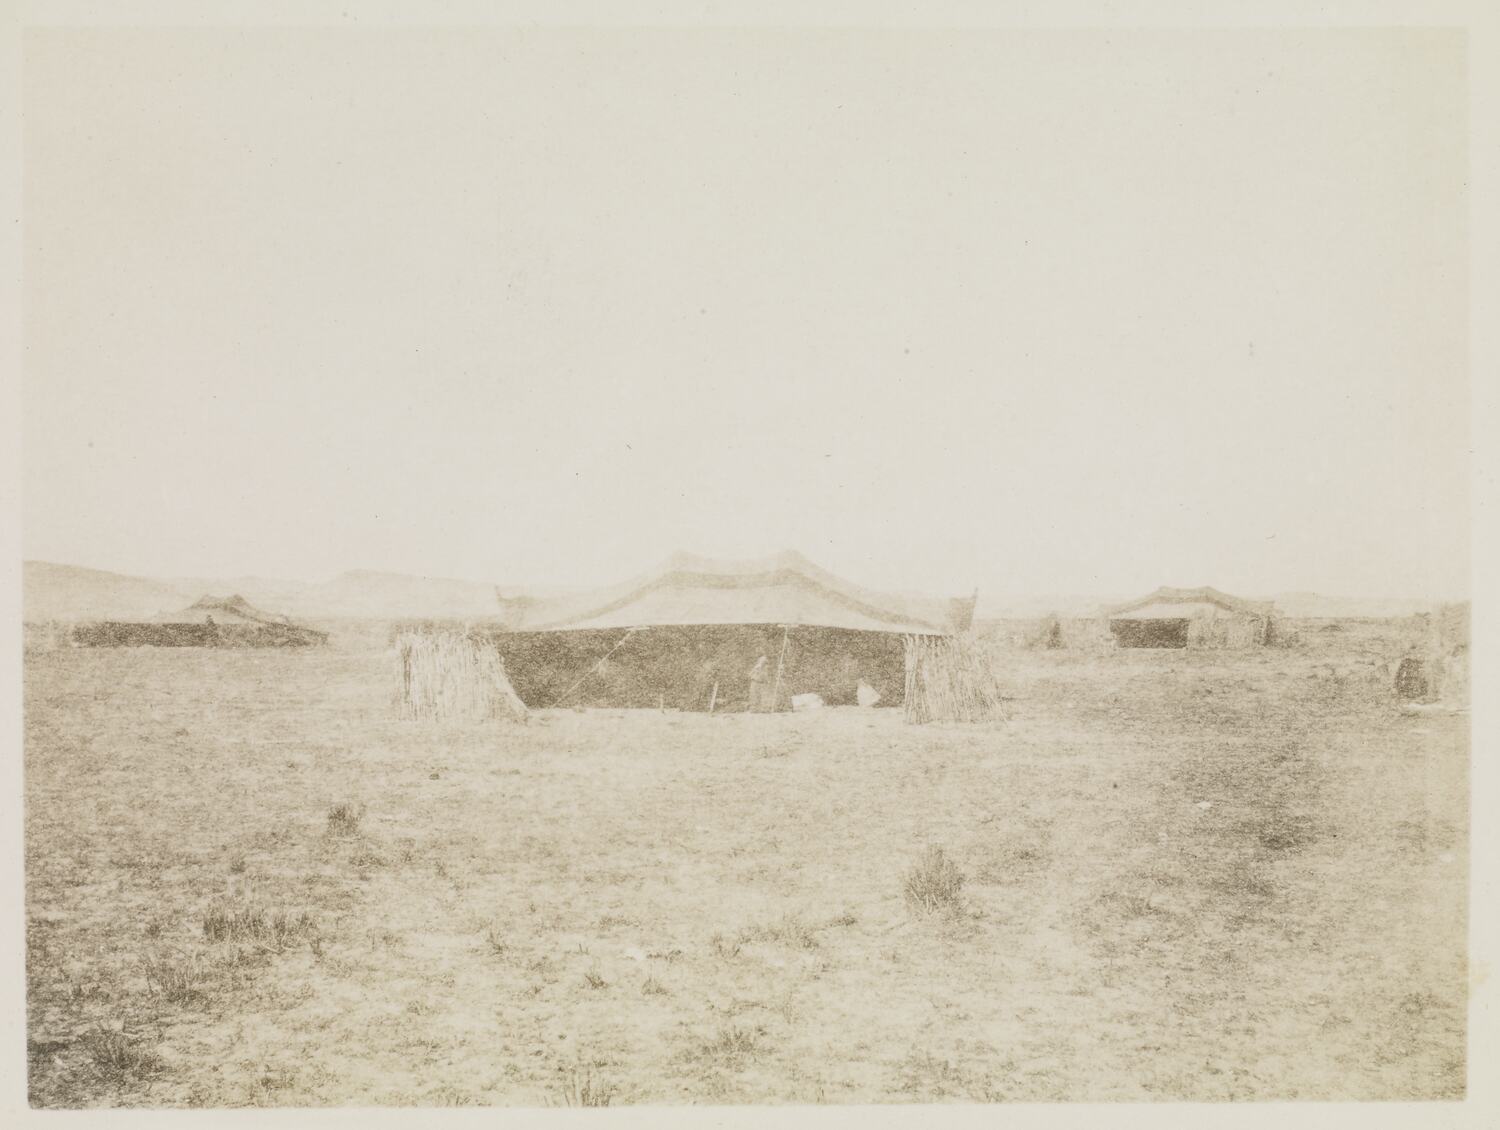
{"x": 580, "y": 1088}
{"x": 733, "y": 1043}
{"x": 451, "y": 677}
{"x": 177, "y": 979}
{"x": 724, "y": 946}
{"x": 790, "y": 931}
{"x": 344, "y": 818}
{"x": 275, "y": 931}
{"x": 934, "y": 884}
{"x": 496, "y": 940}
{"x": 118, "y": 1057}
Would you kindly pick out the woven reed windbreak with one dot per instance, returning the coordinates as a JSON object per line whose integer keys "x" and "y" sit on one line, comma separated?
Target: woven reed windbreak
{"x": 452, "y": 677}
{"x": 952, "y": 679}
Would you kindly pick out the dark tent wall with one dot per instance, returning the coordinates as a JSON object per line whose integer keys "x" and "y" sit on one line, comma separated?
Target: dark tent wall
{"x": 678, "y": 666}
{"x": 1150, "y": 633}
{"x": 113, "y": 634}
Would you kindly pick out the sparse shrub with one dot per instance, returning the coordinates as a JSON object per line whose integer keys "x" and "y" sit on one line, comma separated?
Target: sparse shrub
{"x": 934, "y": 885}
{"x": 651, "y": 987}
{"x": 87, "y": 990}
{"x": 927, "y": 1076}
{"x": 222, "y": 923}
{"x": 495, "y": 939}
{"x": 580, "y": 1088}
{"x": 117, "y": 1056}
{"x": 175, "y": 979}
{"x": 790, "y": 931}
{"x": 733, "y": 1043}
{"x": 794, "y": 932}
{"x": 725, "y": 947}
{"x": 594, "y": 981}
{"x": 366, "y": 859}
{"x": 237, "y": 865}
{"x": 344, "y": 818}
{"x": 225, "y": 923}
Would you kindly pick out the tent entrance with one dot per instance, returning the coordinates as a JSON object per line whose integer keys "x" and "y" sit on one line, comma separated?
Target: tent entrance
{"x": 1150, "y": 633}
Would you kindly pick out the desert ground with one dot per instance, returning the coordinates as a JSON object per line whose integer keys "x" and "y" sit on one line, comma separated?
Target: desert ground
{"x": 1185, "y": 876}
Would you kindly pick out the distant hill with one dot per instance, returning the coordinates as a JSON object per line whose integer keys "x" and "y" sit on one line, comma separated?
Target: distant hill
{"x": 69, "y": 592}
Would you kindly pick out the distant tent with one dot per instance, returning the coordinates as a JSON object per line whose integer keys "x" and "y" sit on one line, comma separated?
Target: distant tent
{"x": 690, "y": 633}
{"x": 208, "y": 622}
{"x": 1181, "y": 618}
{"x": 220, "y": 610}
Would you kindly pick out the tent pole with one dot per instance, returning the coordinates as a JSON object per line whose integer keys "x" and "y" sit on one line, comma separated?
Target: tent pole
{"x": 780, "y": 661}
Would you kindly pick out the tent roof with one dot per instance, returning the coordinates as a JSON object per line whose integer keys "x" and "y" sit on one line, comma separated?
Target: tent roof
{"x": 785, "y": 589}
{"x": 1169, "y": 603}
{"x": 224, "y": 610}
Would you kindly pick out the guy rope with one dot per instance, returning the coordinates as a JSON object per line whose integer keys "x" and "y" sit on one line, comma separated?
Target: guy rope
{"x": 603, "y": 659}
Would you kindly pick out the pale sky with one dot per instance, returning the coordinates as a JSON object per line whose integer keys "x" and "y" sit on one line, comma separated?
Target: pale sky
{"x": 1038, "y": 312}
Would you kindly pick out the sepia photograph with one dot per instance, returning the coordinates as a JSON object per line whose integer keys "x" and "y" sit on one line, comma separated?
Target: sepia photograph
{"x": 701, "y": 556}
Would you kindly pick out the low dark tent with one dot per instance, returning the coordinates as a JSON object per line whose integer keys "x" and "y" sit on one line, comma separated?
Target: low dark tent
{"x": 210, "y": 622}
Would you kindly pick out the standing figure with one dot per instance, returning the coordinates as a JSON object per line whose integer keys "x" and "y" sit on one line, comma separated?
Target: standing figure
{"x": 757, "y": 700}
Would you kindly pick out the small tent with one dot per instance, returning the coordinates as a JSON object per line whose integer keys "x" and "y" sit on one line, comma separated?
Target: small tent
{"x": 1181, "y": 618}
{"x": 208, "y": 622}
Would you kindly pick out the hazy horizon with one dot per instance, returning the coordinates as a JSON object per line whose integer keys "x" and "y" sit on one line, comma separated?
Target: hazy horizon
{"x": 1037, "y": 312}
{"x": 994, "y": 594}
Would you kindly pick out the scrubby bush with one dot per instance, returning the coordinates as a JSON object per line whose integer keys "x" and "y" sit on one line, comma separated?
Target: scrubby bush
{"x": 344, "y": 818}
{"x": 934, "y": 884}
{"x": 276, "y": 930}
{"x": 580, "y": 1088}
{"x": 175, "y": 979}
{"x": 117, "y": 1056}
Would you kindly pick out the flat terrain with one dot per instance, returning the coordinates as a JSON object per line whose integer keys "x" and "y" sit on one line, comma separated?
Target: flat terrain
{"x": 1187, "y": 876}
